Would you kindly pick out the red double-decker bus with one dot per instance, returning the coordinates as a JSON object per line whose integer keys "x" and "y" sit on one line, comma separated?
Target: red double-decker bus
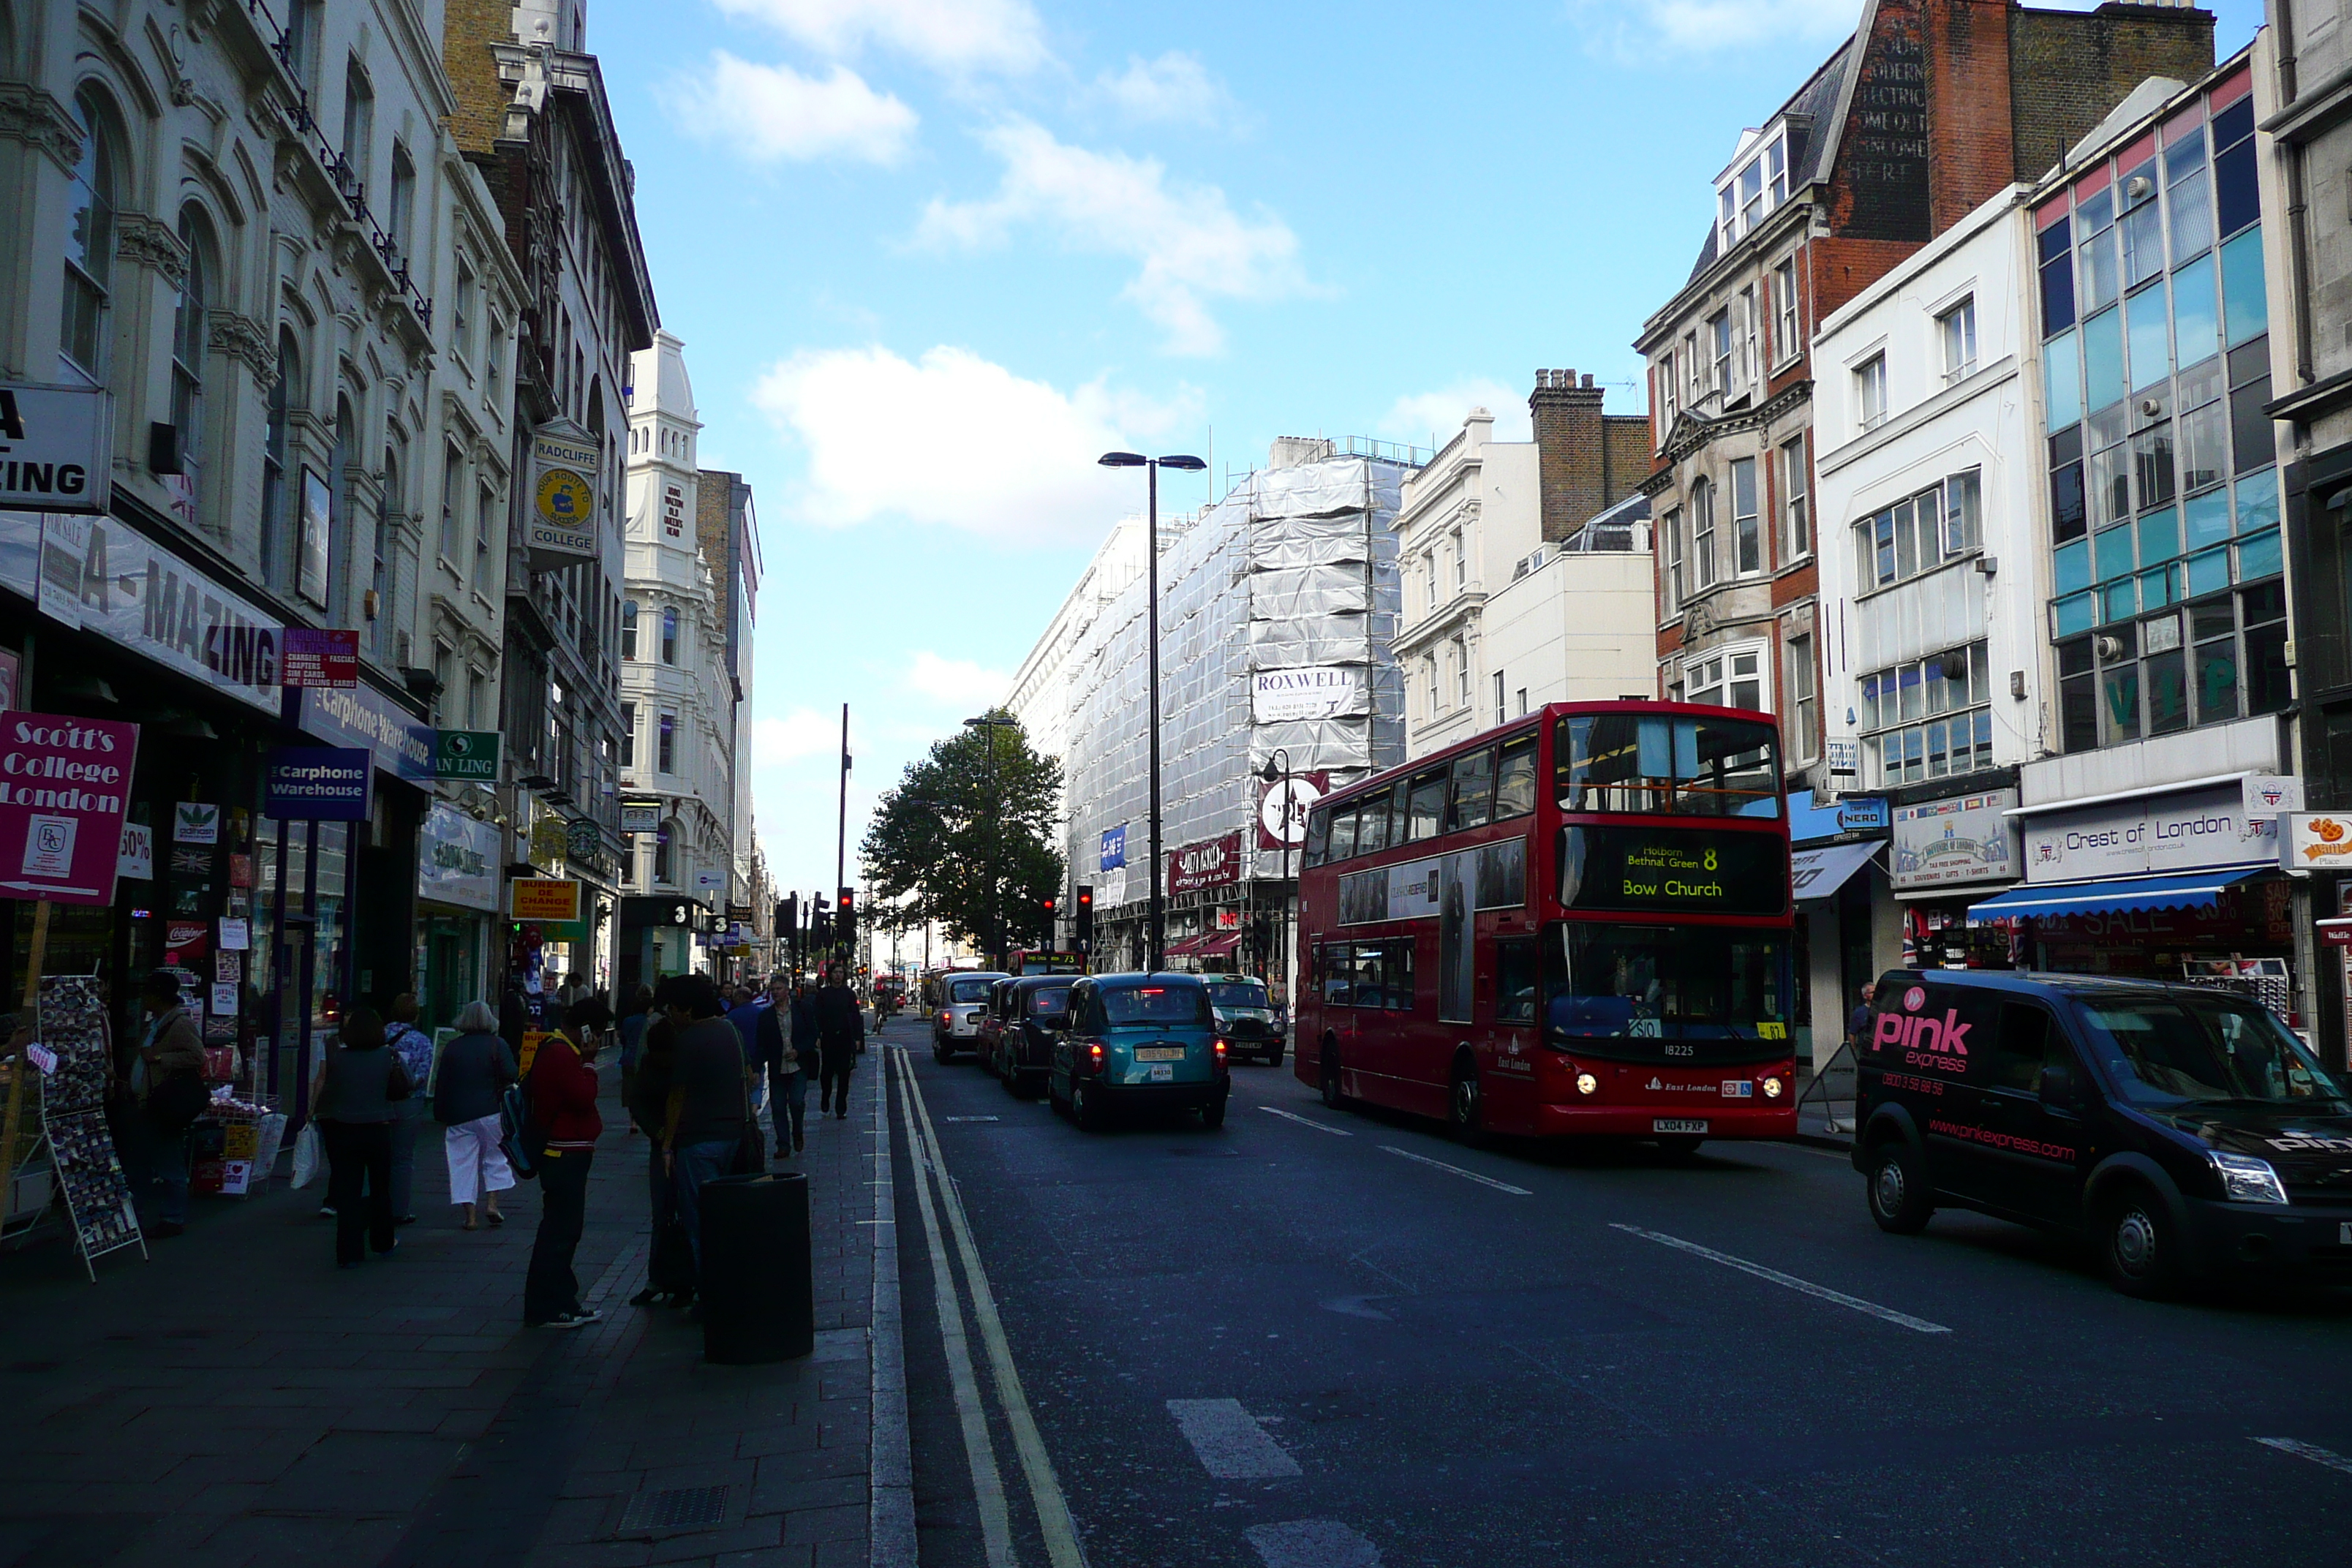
{"x": 1577, "y": 923}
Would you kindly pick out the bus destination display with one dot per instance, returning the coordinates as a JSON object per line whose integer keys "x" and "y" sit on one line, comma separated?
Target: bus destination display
{"x": 1671, "y": 869}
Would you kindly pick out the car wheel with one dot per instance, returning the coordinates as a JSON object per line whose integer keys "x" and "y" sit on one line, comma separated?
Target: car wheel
{"x": 1086, "y": 1108}
{"x": 1332, "y": 1098}
{"x": 1213, "y": 1115}
{"x": 940, "y": 1053}
{"x": 1900, "y": 1200}
{"x": 1054, "y": 1097}
{"x": 2139, "y": 1247}
{"x": 1273, "y": 1058}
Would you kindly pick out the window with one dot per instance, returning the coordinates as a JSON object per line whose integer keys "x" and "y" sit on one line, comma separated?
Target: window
{"x": 1471, "y": 790}
{"x": 1930, "y": 718}
{"x": 1750, "y": 360}
{"x": 1461, "y": 563}
{"x": 1956, "y": 330}
{"x": 1677, "y": 589}
{"x": 1515, "y": 776}
{"x": 1719, "y": 335}
{"x": 1515, "y": 981}
{"x": 275, "y": 503}
{"x": 1693, "y": 368}
{"x": 486, "y": 519}
{"x": 665, "y": 858}
{"x": 1776, "y": 172}
{"x": 358, "y": 129}
{"x": 1460, "y": 673}
{"x": 1367, "y": 973}
{"x": 445, "y": 677}
{"x": 453, "y": 489}
{"x": 400, "y": 218}
{"x": 1425, "y": 806}
{"x": 666, "y": 750}
{"x": 628, "y": 734}
{"x": 628, "y": 628}
{"x": 1751, "y": 196}
{"x": 1793, "y": 486}
{"x": 190, "y": 332}
{"x": 1922, "y": 532}
{"x": 1657, "y": 762}
{"x": 90, "y": 241}
{"x": 1703, "y": 532}
{"x": 1747, "y": 535}
{"x": 1734, "y": 678}
{"x": 494, "y": 354}
{"x": 1798, "y": 681}
{"x": 669, "y": 634}
{"x": 477, "y": 699}
{"x": 461, "y": 311}
{"x": 1501, "y": 713}
{"x": 1784, "y": 298}
{"x": 1870, "y": 392}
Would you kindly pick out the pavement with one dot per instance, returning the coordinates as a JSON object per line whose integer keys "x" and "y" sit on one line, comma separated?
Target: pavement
{"x": 238, "y": 1400}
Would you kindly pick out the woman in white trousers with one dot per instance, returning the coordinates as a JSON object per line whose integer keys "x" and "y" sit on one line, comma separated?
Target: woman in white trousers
{"x": 474, "y": 1071}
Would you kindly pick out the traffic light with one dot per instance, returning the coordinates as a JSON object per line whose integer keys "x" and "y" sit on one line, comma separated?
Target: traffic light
{"x": 788, "y": 917}
{"x": 821, "y": 925}
{"x": 1045, "y": 919}
{"x": 1085, "y": 936}
{"x": 844, "y": 928}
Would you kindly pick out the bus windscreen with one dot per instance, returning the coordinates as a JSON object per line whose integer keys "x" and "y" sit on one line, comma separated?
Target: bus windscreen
{"x": 1667, "y": 763}
{"x": 1666, "y": 994}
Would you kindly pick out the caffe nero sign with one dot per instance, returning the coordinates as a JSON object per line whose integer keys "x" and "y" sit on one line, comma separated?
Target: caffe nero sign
{"x": 1672, "y": 871}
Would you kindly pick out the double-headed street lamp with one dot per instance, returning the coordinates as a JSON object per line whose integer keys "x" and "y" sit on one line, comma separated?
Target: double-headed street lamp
{"x": 989, "y": 724}
{"x": 1155, "y": 939}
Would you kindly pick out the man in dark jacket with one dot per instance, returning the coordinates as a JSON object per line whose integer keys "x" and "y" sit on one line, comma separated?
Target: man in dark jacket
{"x": 777, "y": 1055}
{"x": 167, "y": 1075}
{"x": 841, "y": 1035}
{"x": 709, "y": 1097}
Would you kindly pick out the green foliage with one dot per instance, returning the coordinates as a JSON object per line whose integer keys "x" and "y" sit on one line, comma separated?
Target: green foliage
{"x": 966, "y": 838}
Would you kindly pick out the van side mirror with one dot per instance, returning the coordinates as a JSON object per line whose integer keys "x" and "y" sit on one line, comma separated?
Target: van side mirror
{"x": 2057, "y": 1085}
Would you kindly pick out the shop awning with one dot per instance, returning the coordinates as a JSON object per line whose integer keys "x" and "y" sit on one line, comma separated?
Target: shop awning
{"x": 1819, "y": 873}
{"x": 1218, "y": 946}
{"x": 2120, "y": 895}
{"x": 1184, "y": 949}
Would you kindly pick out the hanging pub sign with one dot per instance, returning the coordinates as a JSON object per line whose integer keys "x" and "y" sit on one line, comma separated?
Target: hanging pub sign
{"x": 561, "y": 527}
{"x": 466, "y": 754}
{"x": 54, "y": 447}
{"x": 63, "y": 784}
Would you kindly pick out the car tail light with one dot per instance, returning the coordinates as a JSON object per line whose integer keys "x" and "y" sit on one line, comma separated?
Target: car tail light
{"x": 1221, "y": 1050}
{"x": 943, "y": 1020}
{"x": 1095, "y": 1058}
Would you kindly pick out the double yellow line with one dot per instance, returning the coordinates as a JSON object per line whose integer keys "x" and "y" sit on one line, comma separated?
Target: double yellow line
{"x": 1054, "y": 1523}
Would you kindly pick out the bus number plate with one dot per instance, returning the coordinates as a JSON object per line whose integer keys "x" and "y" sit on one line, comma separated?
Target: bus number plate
{"x": 1159, "y": 1052}
{"x": 1674, "y": 1124}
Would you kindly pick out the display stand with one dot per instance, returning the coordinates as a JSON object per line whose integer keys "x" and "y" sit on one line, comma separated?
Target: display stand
{"x": 90, "y": 1177}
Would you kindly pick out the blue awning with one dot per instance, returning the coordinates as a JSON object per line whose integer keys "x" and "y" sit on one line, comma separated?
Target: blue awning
{"x": 2186, "y": 890}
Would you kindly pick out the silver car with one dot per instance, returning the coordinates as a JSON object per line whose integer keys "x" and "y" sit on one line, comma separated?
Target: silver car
{"x": 963, "y": 1000}
{"x": 1245, "y": 1017}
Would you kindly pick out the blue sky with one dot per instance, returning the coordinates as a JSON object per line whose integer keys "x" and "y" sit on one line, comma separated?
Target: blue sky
{"x": 931, "y": 257}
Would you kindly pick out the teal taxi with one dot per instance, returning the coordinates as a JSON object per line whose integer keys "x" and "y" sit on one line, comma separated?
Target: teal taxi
{"x": 1139, "y": 1041}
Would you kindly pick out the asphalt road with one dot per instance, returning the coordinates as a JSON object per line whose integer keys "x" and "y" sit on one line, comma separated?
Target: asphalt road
{"x": 1325, "y": 1339}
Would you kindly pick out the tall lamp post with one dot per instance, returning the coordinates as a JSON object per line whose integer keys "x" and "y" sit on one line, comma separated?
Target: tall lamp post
{"x": 989, "y": 724}
{"x": 1277, "y": 773}
{"x": 1155, "y": 941}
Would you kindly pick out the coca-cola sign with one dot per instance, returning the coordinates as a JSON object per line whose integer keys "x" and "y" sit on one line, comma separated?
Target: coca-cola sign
{"x": 1214, "y": 863}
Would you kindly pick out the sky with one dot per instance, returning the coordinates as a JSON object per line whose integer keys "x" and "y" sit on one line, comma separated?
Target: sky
{"x": 930, "y": 258}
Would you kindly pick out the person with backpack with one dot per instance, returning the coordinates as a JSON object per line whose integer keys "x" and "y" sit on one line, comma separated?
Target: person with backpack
{"x": 167, "y": 1083}
{"x": 476, "y": 1069}
{"x": 415, "y": 1048}
{"x": 563, "y": 1092}
{"x": 353, "y": 1100}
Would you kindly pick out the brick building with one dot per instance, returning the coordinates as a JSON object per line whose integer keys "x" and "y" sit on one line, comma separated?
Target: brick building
{"x": 1928, "y": 110}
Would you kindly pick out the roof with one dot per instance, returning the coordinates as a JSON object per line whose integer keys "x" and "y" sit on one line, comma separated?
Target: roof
{"x": 2027, "y": 981}
{"x": 1812, "y": 139}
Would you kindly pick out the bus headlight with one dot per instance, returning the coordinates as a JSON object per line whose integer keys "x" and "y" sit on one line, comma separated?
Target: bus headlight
{"x": 1587, "y": 1084}
{"x": 1771, "y": 1089}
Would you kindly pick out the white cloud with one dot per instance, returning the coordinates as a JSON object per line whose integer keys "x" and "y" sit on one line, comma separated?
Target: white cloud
{"x": 950, "y": 36}
{"x": 1417, "y": 417}
{"x": 1637, "y": 25}
{"x": 773, "y": 111}
{"x": 1175, "y": 89}
{"x": 956, "y": 440}
{"x": 1190, "y": 243}
{"x": 954, "y": 682}
{"x": 798, "y": 733}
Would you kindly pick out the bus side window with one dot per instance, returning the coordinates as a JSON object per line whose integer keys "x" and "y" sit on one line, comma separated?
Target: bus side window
{"x": 1515, "y": 981}
{"x": 1343, "y": 833}
{"x": 1473, "y": 793}
{"x": 1515, "y": 780}
{"x": 1372, "y": 825}
{"x": 1396, "y": 975}
{"x": 1318, "y": 834}
{"x": 1338, "y": 973}
{"x": 1428, "y": 804}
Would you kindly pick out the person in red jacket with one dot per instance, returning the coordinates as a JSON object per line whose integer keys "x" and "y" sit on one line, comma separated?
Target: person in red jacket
{"x": 562, "y": 1088}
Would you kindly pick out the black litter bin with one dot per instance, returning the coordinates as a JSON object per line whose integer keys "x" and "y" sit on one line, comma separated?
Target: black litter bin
{"x": 757, "y": 1301}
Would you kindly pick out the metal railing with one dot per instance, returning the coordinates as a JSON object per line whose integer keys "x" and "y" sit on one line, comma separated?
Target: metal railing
{"x": 1823, "y": 1087}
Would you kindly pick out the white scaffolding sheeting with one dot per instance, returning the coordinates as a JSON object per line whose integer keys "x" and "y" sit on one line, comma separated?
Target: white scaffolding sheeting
{"x": 1296, "y": 569}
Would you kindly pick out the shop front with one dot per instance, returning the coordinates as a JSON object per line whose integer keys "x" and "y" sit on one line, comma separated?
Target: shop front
{"x": 457, "y": 911}
{"x": 378, "y": 855}
{"x": 1837, "y": 880}
{"x": 1948, "y": 854}
{"x": 657, "y": 938}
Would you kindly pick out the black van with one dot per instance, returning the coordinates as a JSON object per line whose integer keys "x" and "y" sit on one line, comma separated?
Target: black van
{"x": 2185, "y": 1131}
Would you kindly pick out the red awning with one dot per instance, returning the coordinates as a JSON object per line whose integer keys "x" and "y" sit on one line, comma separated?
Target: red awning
{"x": 1184, "y": 949}
{"x": 1218, "y": 946}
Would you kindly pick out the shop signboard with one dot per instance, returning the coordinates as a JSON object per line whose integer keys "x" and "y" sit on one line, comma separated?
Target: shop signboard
{"x": 544, "y": 898}
{"x": 103, "y": 577}
{"x": 20, "y": 554}
{"x": 400, "y": 742}
{"x": 1213, "y": 863}
{"x": 136, "y": 860}
{"x": 2186, "y": 830}
{"x": 1114, "y": 847}
{"x": 1957, "y": 842}
{"x": 1309, "y": 691}
{"x": 1283, "y": 806}
{"x": 467, "y": 755}
{"x": 458, "y": 859}
{"x": 584, "y": 841}
{"x": 1814, "y": 819}
{"x": 63, "y": 785}
{"x": 561, "y": 527}
{"x": 55, "y": 446}
{"x": 318, "y": 656}
{"x": 641, "y": 816}
{"x": 2315, "y": 840}
{"x": 316, "y": 783}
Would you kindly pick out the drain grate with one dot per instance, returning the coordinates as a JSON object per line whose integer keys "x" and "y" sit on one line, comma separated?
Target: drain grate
{"x": 679, "y": 1508}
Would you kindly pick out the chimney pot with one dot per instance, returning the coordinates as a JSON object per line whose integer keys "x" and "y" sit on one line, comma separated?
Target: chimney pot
{"x": 1587, "y": 381}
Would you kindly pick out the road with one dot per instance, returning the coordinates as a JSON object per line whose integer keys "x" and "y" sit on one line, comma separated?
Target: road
{"x": 1322, "y": 1339}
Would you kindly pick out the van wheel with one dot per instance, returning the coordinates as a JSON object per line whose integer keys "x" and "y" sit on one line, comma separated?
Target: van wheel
{"x": 1332, "y": 1098}
{"x": 1900, "y": 1200}
{"x": 2139, "y": 1247}
{"x": 1085, "y": 1108}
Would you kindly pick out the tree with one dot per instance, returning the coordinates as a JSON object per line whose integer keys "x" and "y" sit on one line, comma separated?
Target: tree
{"x": 966, "y": 838}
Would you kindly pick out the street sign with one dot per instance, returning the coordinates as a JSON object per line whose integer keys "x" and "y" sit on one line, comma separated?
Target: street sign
{"x": 561, "y": 527}
{"x": 63, "y": 784}
{"x": 318, "y": 656}
{"x": 544, "y": 898}
{"x": 466, "y": 754}
{"x": 316, "y": 783}
{"x": 54, "y": 447}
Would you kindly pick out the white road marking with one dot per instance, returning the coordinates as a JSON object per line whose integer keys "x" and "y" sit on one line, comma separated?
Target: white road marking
{"x": 1312, "y": 1544}
{"x": 2312, "y": 1451}
{"x": 1308, "y": 1121}
{"x": 1887, "y": 1314}
{"x": 1060, "y": 1532}
{"x": 944, "y": 1120}
{"x": 1456, "y": 1170}
{"x": 890, "y": 1506}
{"x": 1230, "y": 1443}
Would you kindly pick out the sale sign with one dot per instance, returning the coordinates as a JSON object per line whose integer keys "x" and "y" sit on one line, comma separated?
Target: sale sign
{"x": 63, "y": 786}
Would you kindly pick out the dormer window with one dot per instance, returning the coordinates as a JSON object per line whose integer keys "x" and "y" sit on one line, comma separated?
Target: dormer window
{"x": 1756, "y": 187}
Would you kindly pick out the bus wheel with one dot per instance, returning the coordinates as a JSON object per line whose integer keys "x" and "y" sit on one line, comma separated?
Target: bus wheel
{"x": 1681, "y": 1145}
{"x": 1330, "y": 1079}
{"x": 1464, "y": 1105}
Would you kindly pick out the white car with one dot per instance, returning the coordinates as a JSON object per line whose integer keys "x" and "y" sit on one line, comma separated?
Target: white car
{"x": 963, "y": 999}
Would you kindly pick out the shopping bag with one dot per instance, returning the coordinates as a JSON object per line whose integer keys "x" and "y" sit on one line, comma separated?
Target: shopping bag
{"x": 306, "y": 1155}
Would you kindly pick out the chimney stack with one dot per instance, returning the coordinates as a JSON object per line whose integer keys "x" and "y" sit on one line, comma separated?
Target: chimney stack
{"x": 1571, "y": 452}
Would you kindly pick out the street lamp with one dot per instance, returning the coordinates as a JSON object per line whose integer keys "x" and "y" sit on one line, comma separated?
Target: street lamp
{"x": 1154, "y": 949}
{"x": 989, "y": 724}
{"x": 1279, "y": 776}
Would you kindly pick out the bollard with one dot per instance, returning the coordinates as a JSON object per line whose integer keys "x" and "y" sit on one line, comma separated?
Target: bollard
{"x": 759, "y": 1302}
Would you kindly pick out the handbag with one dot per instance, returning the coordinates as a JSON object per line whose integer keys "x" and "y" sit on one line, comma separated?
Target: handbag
{"x": 397, "y": 1084}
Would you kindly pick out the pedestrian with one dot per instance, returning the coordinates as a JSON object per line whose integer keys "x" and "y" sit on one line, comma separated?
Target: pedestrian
{"x": 476, "y": 1069}
{"x": 669, "y": 1269}
{"x": 414, "y": 1048}
{"x": 1858, "y": 1025}
{"x": 782, "y": 1061}
{"x": 744, "y": 1011}
{"x": 355, "y": 1098}
{"x": 563, "y": 1105}
{"x": 805, "y": 1034}
{"x": 710, "y": 1098}
{"x": 167, "y": 1085}
{"x": 514, "y": 1014}
{"x": 841, "y": 1035}
{"x": 637, "y": 1013}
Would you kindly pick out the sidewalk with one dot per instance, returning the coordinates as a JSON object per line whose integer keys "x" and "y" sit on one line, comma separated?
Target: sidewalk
{"x": 238, "y": 1400}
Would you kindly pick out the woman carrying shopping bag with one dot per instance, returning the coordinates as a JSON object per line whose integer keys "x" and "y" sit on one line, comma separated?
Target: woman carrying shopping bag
{"x": 475, "y": 1070}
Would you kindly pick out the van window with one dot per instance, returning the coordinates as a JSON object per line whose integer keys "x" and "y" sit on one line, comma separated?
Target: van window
{"x": 2022, "y": 1049}
{"x": 1155, "y": 1004}
{"x": 2163, "y": 1050}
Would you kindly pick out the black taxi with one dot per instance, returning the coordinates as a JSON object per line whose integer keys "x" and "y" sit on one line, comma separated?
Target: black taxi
{"x": 2186, "y": 1132}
